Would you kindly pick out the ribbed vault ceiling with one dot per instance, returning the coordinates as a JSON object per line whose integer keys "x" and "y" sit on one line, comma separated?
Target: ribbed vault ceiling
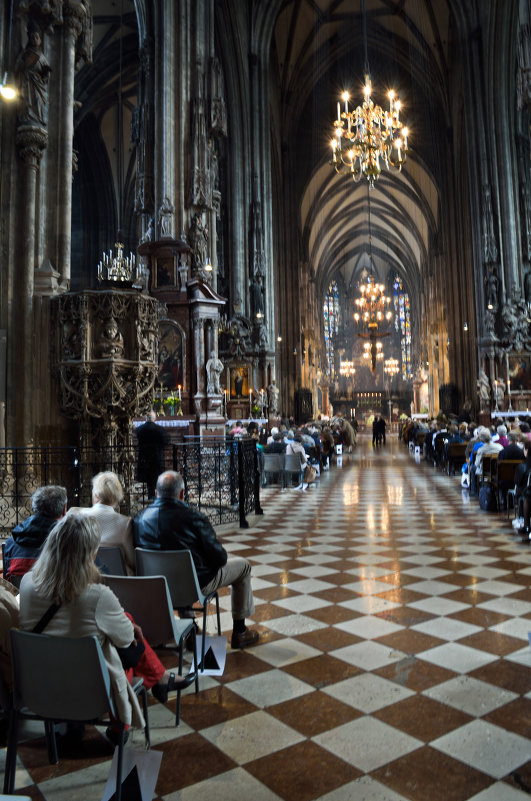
{"x": 319, "y": 53}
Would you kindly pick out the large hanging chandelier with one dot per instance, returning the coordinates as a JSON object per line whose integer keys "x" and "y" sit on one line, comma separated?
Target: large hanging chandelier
{"x": 367, "y": 135}
{"x": 373, "y": 305}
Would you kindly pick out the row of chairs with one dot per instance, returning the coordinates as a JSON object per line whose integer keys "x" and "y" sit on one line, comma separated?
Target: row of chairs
{"x": 282, "y": 467}
{"x": 179, "y": 571}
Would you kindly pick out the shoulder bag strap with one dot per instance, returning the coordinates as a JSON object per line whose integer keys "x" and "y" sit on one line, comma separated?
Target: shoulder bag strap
{"x": 45, "y": 619}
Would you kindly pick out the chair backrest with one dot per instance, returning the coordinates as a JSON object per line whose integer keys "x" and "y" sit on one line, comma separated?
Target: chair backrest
{"x": 457, "y": 450}
{"x": 63, "y": 678}
{"x": 292, "y": 463}
{"x": 273, "y": 462}
{"x": 110, "y": 560}
{"x": 147, "y": 599}
{"x": 179, "y": 570}
{"x": 489, "y": 464}
{"x": 506, "y": 470}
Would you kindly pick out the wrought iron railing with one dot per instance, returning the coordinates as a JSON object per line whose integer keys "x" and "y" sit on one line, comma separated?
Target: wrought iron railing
{"x": 222, "y": 477}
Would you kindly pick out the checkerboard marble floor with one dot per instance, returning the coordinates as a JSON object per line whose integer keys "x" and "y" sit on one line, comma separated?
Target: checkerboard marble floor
{"x": 393, "y": 664}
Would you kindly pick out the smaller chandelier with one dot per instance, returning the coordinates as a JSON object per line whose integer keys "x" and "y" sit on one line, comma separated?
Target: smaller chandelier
{"x": 118, "y": 268}
{"x": 367, "y": 135}
{"x": 373, "y": 305}
{"x": 391, "y": 367}
{"x": 373, "y": 350}
{"x": 347, "y": 369}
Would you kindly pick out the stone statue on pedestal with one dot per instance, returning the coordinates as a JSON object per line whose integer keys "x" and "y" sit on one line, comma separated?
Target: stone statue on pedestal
{"x": 214, "y": 368}
{"x": 273, "y": 393}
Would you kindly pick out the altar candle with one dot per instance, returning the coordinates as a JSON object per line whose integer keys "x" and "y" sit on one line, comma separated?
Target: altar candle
{"x": 179, "y": 391}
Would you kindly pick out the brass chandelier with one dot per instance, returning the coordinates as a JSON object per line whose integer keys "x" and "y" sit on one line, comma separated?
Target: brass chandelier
{"x": 367, "y": 135}
{"x": 373, "y": 305}
{"x": 347, "y": 369}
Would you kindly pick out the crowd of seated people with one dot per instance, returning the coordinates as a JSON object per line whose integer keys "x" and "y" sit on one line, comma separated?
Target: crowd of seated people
{"x": 502, "y": 442}
{"x": 315, "y": 443}
{"x": 52, "y": 557}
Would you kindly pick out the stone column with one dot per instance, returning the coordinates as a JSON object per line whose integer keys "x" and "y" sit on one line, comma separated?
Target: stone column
{"x": 72, "y": 27}
{"x": 31, "y": 142}
{"x": 199, "y": 362}
{"x": 166, "y": 114}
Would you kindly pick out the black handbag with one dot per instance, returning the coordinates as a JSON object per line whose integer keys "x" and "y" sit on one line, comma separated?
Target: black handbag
{"x": 131, "y": 656}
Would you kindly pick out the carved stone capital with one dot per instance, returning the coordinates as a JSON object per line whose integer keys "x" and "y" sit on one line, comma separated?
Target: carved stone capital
{"x": 31, "y": 141}
{"x": 74, "y": 16}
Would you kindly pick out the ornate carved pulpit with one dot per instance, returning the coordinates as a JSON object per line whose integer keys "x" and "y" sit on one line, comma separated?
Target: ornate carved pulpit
{"x": 106, "y": 359}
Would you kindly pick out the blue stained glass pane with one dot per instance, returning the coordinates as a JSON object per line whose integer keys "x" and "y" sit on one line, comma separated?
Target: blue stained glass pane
{"x": 403, "y": 325}
{"x": 331, "y": 316}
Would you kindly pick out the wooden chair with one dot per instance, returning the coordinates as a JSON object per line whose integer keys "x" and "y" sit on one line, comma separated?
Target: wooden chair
{"x": 489, "y": 468}
{"x": 504, "y": 476}
{"x": 456, "y": 457}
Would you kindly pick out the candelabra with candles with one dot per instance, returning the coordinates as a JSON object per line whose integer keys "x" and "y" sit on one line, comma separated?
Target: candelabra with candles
{"x": 347, "y": 369}
{"x": 118, "y": 268}
{"x": 373, "y": 304}
{"x": 367, "y": 134}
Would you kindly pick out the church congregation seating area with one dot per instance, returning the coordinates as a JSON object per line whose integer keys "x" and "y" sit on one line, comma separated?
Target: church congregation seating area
{"x": 490, "y": 463}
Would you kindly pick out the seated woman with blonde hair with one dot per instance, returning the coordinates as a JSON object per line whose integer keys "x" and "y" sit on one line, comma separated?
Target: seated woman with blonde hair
{"x": 66, "y": 578}
{"x": 116, "y": 529}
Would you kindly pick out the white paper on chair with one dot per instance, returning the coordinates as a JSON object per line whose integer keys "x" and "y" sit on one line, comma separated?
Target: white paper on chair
{"x": 215, "y": 656}
{"x": 147, "y": 764}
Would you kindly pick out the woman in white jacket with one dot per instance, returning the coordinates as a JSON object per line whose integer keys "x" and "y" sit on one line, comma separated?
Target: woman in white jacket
{"x": 65, "y": 575}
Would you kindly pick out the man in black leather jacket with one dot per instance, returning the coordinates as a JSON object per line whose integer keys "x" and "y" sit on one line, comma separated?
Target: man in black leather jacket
{"x": 169, "y": 524}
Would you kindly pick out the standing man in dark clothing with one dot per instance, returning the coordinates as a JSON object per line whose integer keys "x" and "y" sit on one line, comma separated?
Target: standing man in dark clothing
{"x": 169, "y": 524}
{"x": 152, "y": 439}
{"x": 23, "y": 547}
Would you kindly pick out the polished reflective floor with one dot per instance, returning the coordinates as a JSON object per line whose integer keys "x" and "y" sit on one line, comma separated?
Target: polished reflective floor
{"x": 394, "y": 661}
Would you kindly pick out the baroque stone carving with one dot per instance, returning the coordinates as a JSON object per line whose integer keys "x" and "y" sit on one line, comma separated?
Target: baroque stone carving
{"x": 214, "y": 368}
{"x": 32, "y": 70}
{"x": 165, "y": 218}
{"x": 515, "y": 320}
{"x": 218, "y": 110}
{"x": 198, "y": 238}
{"x": 273, "y": 394}
{"x": 483, "y": 386}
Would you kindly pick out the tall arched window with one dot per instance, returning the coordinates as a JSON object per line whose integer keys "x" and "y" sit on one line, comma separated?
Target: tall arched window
{"x": 331, "y": 323}
{"x": 403, "y": 326}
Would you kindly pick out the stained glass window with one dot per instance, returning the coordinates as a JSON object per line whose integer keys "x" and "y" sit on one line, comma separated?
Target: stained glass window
{"x": 403, "y": 326}
{"x": 331, "y": 316}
